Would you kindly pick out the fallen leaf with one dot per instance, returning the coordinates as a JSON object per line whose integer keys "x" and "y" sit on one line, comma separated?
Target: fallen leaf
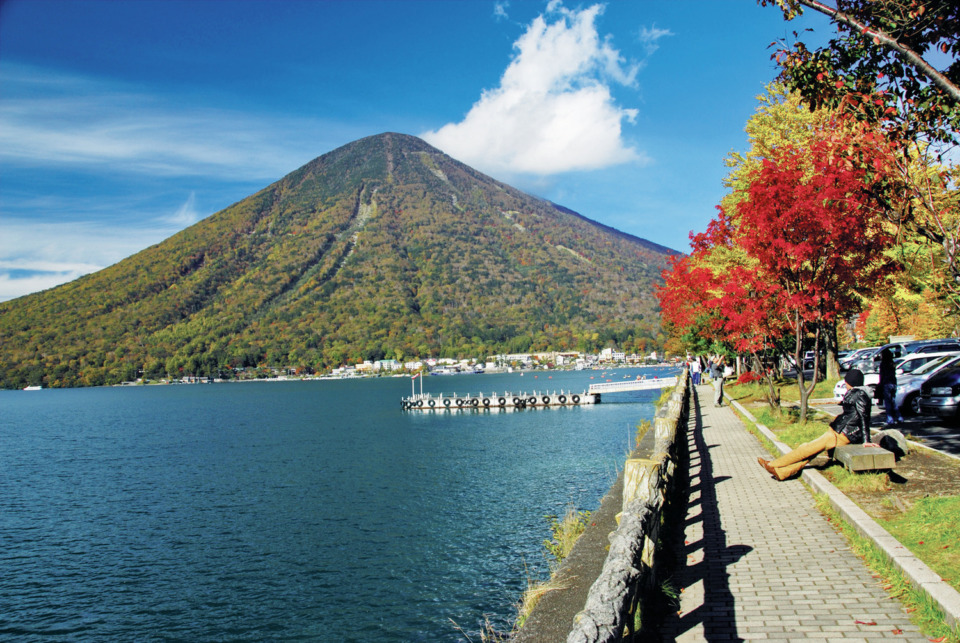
{"x": 866, "y": 622}
{"x": 939, "y": 640}
{"x": 897, "y": 631}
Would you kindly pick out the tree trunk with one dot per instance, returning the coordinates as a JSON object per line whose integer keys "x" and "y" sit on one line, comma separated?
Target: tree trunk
{"x": 798, "y": 356}
{"x": 773, "y": 394}
{"x": 833, "y": 362}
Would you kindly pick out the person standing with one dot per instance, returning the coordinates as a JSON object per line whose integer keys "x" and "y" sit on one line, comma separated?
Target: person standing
{"x": 852, "y": 426}
{"x": 695, "y": 369}
{"x": 716, "y": 373}
{"x": 887, "y": 388}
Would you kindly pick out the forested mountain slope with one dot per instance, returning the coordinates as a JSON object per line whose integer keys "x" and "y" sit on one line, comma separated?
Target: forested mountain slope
{"x": 384, "y": 248}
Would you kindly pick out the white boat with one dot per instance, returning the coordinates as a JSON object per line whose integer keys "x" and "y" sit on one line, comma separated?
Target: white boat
{"x": 32, "y": 388}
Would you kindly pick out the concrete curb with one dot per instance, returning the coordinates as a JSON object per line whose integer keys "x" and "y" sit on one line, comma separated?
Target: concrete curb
{"x": 912, "y": 567}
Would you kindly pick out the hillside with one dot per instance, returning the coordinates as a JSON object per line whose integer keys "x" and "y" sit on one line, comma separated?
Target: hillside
{"x": 385, "y": 247}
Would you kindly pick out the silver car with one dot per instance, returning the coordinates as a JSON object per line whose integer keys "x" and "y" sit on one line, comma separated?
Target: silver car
{"x": 908, "y": 384}
{"x": 847, "y": 361}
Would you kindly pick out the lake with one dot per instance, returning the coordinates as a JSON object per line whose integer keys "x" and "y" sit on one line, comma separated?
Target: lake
{"x": 312, "y": 510}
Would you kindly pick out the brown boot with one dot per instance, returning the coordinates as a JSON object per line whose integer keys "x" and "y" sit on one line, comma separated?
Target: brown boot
{"x": 766, "y": 465}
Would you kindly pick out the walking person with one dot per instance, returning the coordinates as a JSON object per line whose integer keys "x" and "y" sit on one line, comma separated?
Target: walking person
{"x": 887, "y": 388}
{"x": 850, "y": 427}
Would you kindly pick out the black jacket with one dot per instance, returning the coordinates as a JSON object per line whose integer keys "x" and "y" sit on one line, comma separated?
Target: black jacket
{"x": 854, "y": 422}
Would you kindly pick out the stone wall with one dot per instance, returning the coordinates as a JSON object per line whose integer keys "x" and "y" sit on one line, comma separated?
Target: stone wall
{"x": 629, "y": 572}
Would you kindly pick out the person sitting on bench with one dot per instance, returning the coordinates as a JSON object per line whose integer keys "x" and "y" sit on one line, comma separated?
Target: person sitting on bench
{"x": 850, "y": 427}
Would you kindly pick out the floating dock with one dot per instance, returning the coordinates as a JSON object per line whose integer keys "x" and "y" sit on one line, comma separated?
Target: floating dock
{"x": 537, "y": 399}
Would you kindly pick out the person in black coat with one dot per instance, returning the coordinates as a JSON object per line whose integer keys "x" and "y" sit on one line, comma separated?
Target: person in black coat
{"x": 887, "y": 388}
{"x": 850, "y": 427}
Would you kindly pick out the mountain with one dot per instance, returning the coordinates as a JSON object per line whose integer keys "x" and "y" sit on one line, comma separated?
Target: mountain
{"x": 383, "y": 248}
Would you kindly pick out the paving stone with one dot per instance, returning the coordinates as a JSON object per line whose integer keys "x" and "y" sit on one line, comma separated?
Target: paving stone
{"x": 761, "y": 563}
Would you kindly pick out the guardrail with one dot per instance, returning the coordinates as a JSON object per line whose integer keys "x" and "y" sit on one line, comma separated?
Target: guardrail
{"x": 629, "y": 572}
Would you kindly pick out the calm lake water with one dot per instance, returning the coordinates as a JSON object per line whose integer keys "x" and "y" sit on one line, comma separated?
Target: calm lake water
{"x": 289, "y": 510}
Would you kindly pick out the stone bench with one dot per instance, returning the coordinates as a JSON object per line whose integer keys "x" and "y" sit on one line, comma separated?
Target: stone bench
{"x": 857, "y": 457}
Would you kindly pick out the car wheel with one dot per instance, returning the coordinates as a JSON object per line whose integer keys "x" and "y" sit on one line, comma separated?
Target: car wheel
{"x": 911, "y": 405}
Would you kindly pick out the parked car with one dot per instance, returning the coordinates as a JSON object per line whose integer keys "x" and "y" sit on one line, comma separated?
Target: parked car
{"x": 905, "y": 366}
{"x": 907, "y": 398}
{"x": 871, "y": 363}
{"x": 847, "y": 361}
{"x": 940, "y": 395}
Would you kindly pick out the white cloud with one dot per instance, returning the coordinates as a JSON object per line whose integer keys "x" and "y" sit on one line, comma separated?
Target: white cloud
{"x": 186, "y": 214}
{"x": 37, "y": 256}
{"x": 52, "y": 119}
{"x": 500, "y": 10}
{"x": 553, "y": 110}
{"x": 650, "y": 38}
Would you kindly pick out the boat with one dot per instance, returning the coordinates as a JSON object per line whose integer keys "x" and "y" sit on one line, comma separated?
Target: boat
{"x": 32, "y": 388}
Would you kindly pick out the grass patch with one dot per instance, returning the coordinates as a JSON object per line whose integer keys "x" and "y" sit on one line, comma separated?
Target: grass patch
{"x": 796, "y": 433}
{"x": 790, "y": 392}
{"x": 665, "y": 395}
{"x": 924, "y": 612}
{"x": 931, "y": 530}
{"x": 848, "y": 481}
{"x": 642, "y": 429}
{"x": 748, "y": 392}
{"x": 534, "y": 592}
{"x": 566, "y": 532}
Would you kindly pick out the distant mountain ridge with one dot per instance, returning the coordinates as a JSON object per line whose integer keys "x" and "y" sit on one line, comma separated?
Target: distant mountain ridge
{"x": 656, "y": 247}
{"x": 382, "y": 248}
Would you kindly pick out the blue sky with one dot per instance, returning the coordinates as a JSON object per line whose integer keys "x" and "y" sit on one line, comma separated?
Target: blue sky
{"x": 124, "y": 122}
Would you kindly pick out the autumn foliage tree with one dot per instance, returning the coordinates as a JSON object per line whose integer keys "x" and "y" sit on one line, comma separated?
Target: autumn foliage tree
{"x": 809, "y": 238}
{"x": 896, "y": 65}
{"x": 883, "y": 48}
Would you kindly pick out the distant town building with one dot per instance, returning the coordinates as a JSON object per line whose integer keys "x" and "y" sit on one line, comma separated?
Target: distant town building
{"x": 387, "y": 365}
{"x": 612, "y": 355}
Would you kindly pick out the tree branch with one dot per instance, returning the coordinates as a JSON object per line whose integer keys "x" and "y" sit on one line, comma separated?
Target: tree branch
{"x": 885, "y": 39}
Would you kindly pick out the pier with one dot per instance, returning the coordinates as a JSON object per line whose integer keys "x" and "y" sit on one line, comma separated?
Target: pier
{"x": 633, "y": 385}
{"x": 505, "y": 400}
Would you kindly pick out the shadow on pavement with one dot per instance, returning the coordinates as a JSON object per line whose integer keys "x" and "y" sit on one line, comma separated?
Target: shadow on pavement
{"x": 717, "y": 611}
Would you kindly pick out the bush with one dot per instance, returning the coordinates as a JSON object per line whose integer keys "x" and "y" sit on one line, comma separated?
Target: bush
{"x": 748, "y": 377}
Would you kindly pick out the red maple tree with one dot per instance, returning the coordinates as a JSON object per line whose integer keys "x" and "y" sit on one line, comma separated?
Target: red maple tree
{"x": 811, "y": 237}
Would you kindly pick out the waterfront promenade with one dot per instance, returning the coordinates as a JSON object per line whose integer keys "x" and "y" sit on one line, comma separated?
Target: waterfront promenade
{"x": 760, "y": 561}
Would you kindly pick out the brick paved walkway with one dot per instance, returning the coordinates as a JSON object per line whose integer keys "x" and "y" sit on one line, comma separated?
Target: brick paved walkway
{"x": 761, "y": 561}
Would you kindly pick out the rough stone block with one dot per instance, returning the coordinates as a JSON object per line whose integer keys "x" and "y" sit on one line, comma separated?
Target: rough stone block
{"x": 857, "y": 457}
